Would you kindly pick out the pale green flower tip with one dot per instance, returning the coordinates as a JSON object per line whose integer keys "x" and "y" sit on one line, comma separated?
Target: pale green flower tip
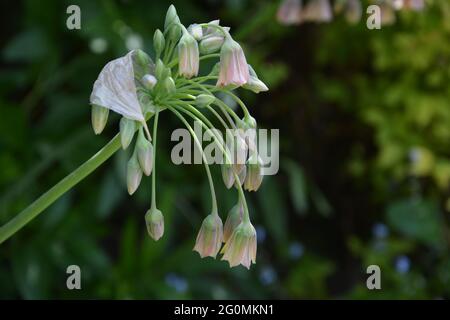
{"x": 149, "y": 81}
{"x": 204, "y": 100}
{"x": 159, "y": 42}
{"x": 211, "y": 44}
{"x": 134, "y": 174}
{"x": 99, "y": 118}
{"x": 171, "y": 17}
{"x": 169, "y": 85}
{"x": 154, "y": 220}
{"x": 209, "y": 238}
{"x": 127, "y": 129}
{"x": 196, "y": 31}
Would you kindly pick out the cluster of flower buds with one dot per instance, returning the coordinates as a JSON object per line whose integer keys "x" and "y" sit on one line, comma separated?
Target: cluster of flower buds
{"x": 139, "y": 89}
{"x": 294, "y": 12}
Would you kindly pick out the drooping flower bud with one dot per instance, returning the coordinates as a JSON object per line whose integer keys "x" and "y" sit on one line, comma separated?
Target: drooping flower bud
{"x": 227, "y": 175}
{"x": 241, "y": 246}
{"x": 254, "y": 84}
{"x": 209, "y": 238}
{"x": 144, "y": 150}
{"x": 239, "y": 150}
{"x": 154, "y": 221}
{"x": 127, "y": 129}
{"x": 149, "y": 81}
{"x": 196, "y": 31}
{"x": 204, "y": 100}
{"x": 317, "y": 11}
{"x": 289, "y": 12}
{"x": 168, "y": 85}
{"x": 233, "y": 65}
{"x": 158, "y": 42}
{"x": 99, "y": 118}
{"x": 188, "y": 56}
{"x": 211, "y": 44}
{"x": 234, "y": 218}
{"x": 134, "y": 174}
{"x": 254, "y": 173}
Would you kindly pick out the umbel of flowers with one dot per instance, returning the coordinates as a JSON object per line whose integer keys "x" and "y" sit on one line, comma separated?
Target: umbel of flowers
{"x": 139, "y": 88}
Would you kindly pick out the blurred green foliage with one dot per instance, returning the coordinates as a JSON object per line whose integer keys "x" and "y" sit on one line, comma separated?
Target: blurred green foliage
{"x": 364, "y": 117}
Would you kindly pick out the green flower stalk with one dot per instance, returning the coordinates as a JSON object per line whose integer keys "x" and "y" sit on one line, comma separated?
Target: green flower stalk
{"x": 139, "y": 90}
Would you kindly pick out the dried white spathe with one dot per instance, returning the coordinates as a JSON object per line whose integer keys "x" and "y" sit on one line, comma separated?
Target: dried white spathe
{"x": 115, "y": 88}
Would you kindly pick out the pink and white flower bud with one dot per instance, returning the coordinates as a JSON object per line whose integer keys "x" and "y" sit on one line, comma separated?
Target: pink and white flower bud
{"x": 228, "y": 175}
{"x": 241, "y": 247}
{"x": 289, "y": 12}
{"x": 134, "y": 174}
{"x": 209, "y": 238}
{"x": 234, "y": 218}
{"x": 154, "y": 220}
{"x": 254, "y": 173}
{"x": 233, "y": 65}
{"x": 188, "y": 55}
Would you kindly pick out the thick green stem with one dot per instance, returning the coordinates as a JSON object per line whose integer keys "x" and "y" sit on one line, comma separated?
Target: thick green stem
{"x": 44, "y": 201}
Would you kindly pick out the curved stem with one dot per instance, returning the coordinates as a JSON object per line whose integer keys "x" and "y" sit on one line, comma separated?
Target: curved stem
{"x": 155, "y": 132}
{"x": 39, "y": 205}
{"x": 208, "y": 172}
{"x": 219, "y": 143}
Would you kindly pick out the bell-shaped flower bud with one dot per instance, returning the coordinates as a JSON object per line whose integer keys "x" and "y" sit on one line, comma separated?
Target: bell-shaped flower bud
{"x": 149, "y": 81}
{"x": 241, "y": 246}
{"x": 168, "y": 85}
{"x": 254, "y": 84}
{"x": 228, "y": 175}
{"x": 154, "y": 221}
{"x": 254, "y": 173}
{"x": 211, "y": 44}
{"x": 239, "y": 150}
{"x": 196, "y": 31}
{"x": 209, "y": 238}
{"x": 144, "y": 151}
{"x": 318, "y": 11}
{"x": 188, "y": 56}
{"x": 158, "y": 42}
{"x": 234, "y": 218}
{"x": 233, "y": 65}
{"x": 204, "y": 100}
{"x": 99, "y": 118}
{"x": 134, "y": 174}
{"x": 127, "y": 129}
{"x": 289, "y": 12}
{"x": 171, "y": 17}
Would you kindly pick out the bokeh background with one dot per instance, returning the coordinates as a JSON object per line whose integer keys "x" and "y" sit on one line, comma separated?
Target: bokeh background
{"x": 364, "y": 119}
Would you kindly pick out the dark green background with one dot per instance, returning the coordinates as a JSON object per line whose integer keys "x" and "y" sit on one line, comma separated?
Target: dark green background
{"x": 364, "y": 119}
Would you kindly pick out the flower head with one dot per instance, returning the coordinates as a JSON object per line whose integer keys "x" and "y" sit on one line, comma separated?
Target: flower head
{"x": 233, "y": 65}
{"x": 241, "y": 247}
{"x": 209, "y": 238}
{"x": 154, "y": 220}
{"x": 188, "y": 55}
